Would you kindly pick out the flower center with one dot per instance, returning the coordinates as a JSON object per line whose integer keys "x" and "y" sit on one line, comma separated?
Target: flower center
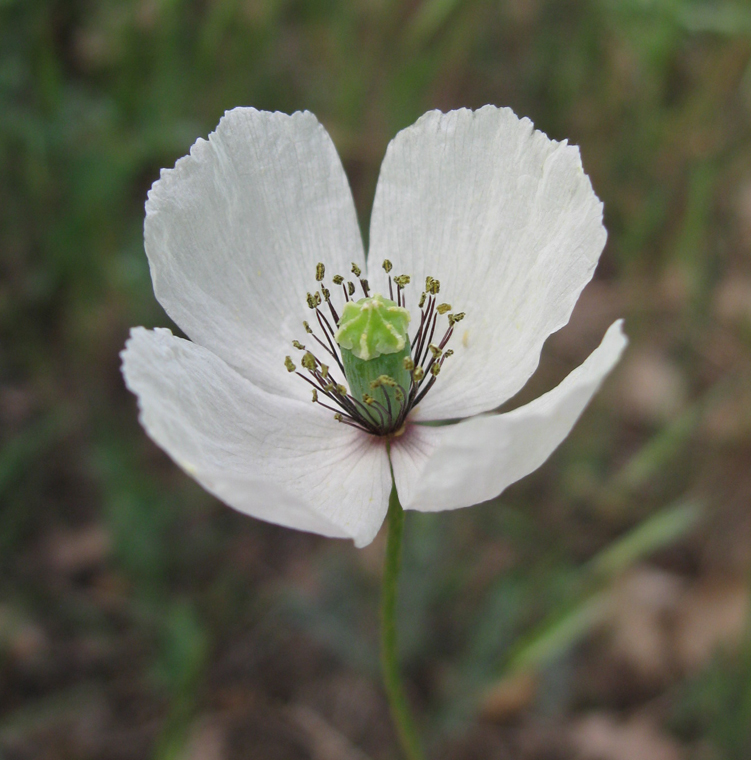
{"x": 386, "y": 373}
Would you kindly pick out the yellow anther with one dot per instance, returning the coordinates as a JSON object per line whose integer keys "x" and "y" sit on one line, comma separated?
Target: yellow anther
{"x": 308, "y": 361}
{"x": 320, "y": 271}
{"x": 289, "y": 364}
{"x": 326, "y": 293}
{"x": 409, "y": 363}
{"x": 454, "y": 318}
{"x": 435, "y": 351}
{"x": 350, "y": 288}
{"x": 435, "y": 369}
{"x": 402, "y": 280}
{"x": 418, "y": 374}
{"x": 387, "y": 265}
{"x": 341, "y": 389}
{"x": 432, "y": 285}
{"x": 324, "y": 371}
{"x": 299, "y": 346}
{"x": 421, "y": 303}
{"x": 356, "y": 271}
{"x": 337, "y": 279}
{"x": 442, "y": 308}
{"x": 338, "y": 417}
{"x": 369, "y": 400}
{"x": 314, "y": 299}
{"x": 307, "y": 328}
{"x": 315, "y": 395}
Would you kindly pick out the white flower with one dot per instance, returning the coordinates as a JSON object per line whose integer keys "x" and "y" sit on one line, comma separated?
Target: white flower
{"x": 502, "y": 216}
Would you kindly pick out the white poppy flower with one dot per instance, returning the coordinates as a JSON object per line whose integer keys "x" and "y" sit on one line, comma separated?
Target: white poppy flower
{"x": 243, "y": 236}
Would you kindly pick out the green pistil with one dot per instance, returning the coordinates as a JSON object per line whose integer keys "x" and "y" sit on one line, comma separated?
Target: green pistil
{"x": 383, "y": 380}
{"x": 372, "y": 327}
{"x": 374, "y": 344}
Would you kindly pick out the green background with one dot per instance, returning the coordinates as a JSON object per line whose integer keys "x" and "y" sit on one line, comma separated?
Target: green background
{"x": 600, "y": 601}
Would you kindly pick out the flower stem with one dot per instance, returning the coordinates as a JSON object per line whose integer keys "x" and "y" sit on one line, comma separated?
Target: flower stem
{"x": 392, "y": 677}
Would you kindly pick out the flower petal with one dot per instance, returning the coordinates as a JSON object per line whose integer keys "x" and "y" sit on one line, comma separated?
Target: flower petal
{"x": 274, "y": 458}
{"x": 438, "y": 468}
{"x": 507, "y": 220}
{"x": 234, "y": 232}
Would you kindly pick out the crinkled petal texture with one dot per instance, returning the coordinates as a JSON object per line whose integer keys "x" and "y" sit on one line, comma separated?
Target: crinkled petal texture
{"x": 277, "y": 459}
{"x": 438, "y": 468}
{"x": 508, "y": 222}
{"x": 234, "y": 232}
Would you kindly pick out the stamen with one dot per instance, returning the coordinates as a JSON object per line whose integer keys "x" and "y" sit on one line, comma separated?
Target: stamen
{"x": 446, "y": 337}
{"x": 427, "y": 336}
{"x": 334, "y": 313}
{"x": 314, "y": 300}
{"x": 328, "y": 332}
{"x": 372, "y": 414}
{"x": 388, "y": 403}
{"x": 401, "y": 281}
{"x": 386, "y": 380}
{"x": 366, "y": 409}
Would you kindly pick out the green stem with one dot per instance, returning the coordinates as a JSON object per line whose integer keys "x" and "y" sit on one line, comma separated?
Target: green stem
{"x": 392, "y": 677}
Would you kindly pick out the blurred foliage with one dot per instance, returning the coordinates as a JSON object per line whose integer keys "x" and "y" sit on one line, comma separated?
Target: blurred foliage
{"x": 184, "y": 602}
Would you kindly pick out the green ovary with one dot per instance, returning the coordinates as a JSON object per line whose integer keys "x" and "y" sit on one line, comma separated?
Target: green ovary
{"x": 373, "y": 326}
{"x": 374, "y": 343}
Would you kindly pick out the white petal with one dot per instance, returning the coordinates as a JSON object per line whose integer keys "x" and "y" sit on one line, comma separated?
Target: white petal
{"x": 274, "y": 458}
{"x": 507, "y": 220}
{"x": 234, "y": 232}
{"x": 438, "y": 468}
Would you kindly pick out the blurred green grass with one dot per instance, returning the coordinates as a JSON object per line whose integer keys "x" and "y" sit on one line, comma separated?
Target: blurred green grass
{"x": 96, "y": 97}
